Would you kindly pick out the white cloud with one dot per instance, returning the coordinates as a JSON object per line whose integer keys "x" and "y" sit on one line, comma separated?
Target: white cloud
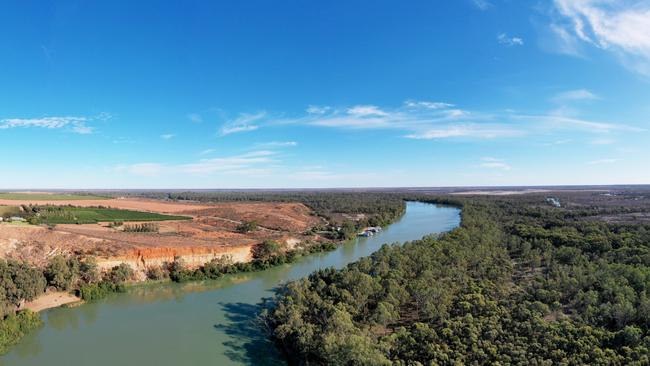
{"x": 428, "y": 105}
{"x": 103, "y": 116}
{"x": 437, "y": 120}
{"x": 244, "y": 123}
{"x": 557, "y": 122}
{"x": 619, "y": 26}
{"x": 574, "y": 95}
{"x": 482, "y": 4}
{"x": 366, "y": 111}
{"x": 494, "y": 163}
{"x": 167, "y": 136}
{"x": 277, "y": 144}
{"x": 75, "y": 124}
{"x": 195, "y": 117}
{"x": 504, "y": 39}
{"x": 207, "y": 151}
{"x": 469, "y": 131}
{"x": 313, "y": 109}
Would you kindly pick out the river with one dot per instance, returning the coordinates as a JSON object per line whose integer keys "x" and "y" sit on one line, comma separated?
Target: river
{"x": 199, "y": 323}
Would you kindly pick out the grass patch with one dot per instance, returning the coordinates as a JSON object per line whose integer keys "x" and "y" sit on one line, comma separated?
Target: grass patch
{"x": 92, "y": 215}
{"x": 17, "y": 196}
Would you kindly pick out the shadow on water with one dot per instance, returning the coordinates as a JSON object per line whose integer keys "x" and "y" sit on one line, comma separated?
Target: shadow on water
{"x": 249, "y": 343}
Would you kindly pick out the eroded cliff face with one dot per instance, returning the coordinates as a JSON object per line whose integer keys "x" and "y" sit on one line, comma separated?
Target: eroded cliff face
{"x": 211, "y": 233}
{"x": 140, "y": 259}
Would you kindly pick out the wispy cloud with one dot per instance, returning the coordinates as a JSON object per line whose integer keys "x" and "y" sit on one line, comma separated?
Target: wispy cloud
{"x": 244, "y": 163}
{"x": 428, "y": 105}
{"x": 619, "y": 26}
{"x": 74, "y": 124}
{"x": 276, "y": 144}
{"x": 167, "y": 136}
{"x": 244, "y": 123}
{"x": 366, "y": 111}
{"x": 560, "y": 122}
{"x": 494, "y": 163}
{"x": 314, "y": 109}
{"x": 207, "y": 151}
{"x": 505, "y": 39}
{"x": 469, "y": 131}
{"x": 574, "y": 95}
{"x": 426, "y": 120}
{"x": 436, "y": 120}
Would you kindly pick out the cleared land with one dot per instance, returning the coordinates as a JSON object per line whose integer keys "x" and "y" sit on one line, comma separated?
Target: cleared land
{"x": 29, "y": 196}
{"x": 196, "y": 231}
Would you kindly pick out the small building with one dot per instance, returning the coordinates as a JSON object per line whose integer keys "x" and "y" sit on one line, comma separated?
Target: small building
{"x": 16, "y": 219}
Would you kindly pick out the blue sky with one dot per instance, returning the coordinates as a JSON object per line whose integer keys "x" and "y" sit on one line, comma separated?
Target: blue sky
{"x": 255, "y": 94}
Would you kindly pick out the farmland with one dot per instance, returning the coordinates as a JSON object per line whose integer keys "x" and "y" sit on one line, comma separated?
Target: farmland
{"x": 44, "y": 196}
{"x": 91, "y": 215}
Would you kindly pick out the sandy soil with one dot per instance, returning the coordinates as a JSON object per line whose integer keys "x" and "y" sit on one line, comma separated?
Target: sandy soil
{"x": 279, "y": 216}
{"x": 50, "y": 300}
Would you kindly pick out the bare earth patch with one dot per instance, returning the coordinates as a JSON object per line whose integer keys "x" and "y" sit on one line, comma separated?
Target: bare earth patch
{"x": 212, "y": 232}
{"x": 50, "y": 300}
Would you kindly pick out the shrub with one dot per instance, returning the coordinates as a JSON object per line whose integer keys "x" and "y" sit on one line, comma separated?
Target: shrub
{"x": 61, "y": 272}
{"x": 157, "y": 273}
{"x": 265, "y": 250}
{"x": 119, "y": 274}
{"x": 247, "y": 226}
{"x": 96, "y": 291}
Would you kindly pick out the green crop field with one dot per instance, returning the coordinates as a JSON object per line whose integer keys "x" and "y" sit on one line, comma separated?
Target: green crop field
{"x": 91, "y": 215}
{"x": 18, "y": 196}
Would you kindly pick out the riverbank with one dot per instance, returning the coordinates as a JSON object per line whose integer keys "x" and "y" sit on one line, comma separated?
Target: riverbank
{"x": 197, "y": 322}
{"x": 50, "y": 300}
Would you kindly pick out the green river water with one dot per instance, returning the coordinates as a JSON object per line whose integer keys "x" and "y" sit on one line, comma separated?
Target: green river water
{"x": 199, "y": 323}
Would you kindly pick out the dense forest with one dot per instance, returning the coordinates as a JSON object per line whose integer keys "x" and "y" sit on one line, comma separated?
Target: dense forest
{"x": 520, "y": 282}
